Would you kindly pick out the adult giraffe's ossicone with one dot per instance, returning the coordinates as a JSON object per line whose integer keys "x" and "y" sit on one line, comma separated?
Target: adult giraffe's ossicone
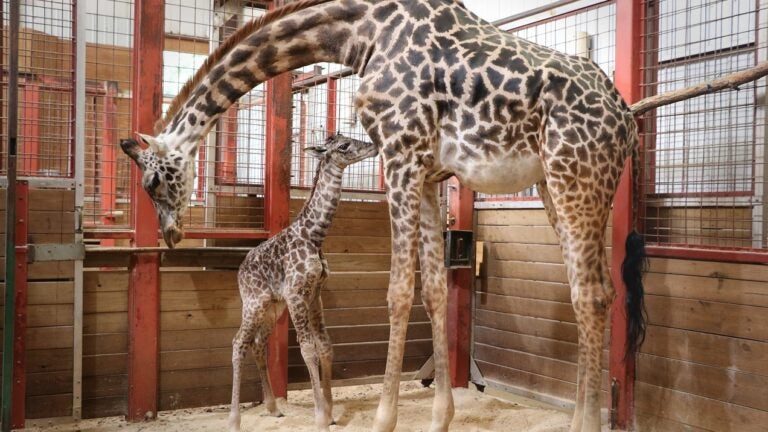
{"x": 442, "y": 93}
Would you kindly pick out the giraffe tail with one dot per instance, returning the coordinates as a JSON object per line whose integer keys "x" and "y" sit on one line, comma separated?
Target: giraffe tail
{"x": 634, "y": 266}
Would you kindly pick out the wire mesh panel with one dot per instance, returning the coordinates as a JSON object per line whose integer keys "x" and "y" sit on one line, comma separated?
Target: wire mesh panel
{"x": 704, "y": 181}
{"x": 46, "y": 99}
{"x": 108, "y": 57}
{"x": 229, "y": 190}
{"x": 589, "y": 32}
{"x": 323, "y": 104}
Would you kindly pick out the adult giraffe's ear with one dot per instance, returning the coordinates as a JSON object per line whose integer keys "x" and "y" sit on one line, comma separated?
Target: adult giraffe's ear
{"x": 316, "y": 151}
{"x": 131, "y": 148}
{"x": 157, "y": 146}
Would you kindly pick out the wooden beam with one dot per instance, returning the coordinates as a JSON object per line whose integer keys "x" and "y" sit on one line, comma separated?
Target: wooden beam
{"x": 461, "y": 211}
{"x": 20, "y": 308}
{"x": 144, "y": 269}
{"x": 278, "y": 196}
{"x": 629, "y": 18}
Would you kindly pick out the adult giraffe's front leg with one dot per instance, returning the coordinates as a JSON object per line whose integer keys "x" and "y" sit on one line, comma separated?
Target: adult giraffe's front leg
{"x": 434, "y": 293}
{"x": 404, "y": 182}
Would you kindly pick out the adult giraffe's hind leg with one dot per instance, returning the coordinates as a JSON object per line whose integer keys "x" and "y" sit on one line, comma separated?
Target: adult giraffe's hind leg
{"x": 581, "y": 209}
{"x": 434, "y": 294}
{"x": 551, "y": 211}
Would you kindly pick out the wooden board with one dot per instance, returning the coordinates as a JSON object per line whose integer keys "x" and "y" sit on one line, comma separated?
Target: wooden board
{"x": 747, "y": 322}
{"x": 528, "y": 381}
{"x": 524, "y": 324}
{"x": 707, "y": 349}
{"x": 697, "y": 411}
{"x": 521, "y": 306}
{"x": 734, "y": 387}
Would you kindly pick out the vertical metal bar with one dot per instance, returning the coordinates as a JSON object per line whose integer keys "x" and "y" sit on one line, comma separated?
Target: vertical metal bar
{"x": 331, "y": 121}
{"x": 628, "y": 69}
{"x": 302, "y": 137}
{"x": 461, "y": 209}
{"x": 30, "y": 128}
{"x": 108, "y": 168}
{"x": 144, "y": 268}
{"x": 277, "y": 181}
{"x": 10, "y": 217}
{"x": 79, "y": 174}
{"x": 20, "y": 306}
{"x": 759, "y": 213}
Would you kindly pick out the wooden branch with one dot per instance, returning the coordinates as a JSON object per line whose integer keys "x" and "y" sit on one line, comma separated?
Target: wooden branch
{"x": 732, "y": 81}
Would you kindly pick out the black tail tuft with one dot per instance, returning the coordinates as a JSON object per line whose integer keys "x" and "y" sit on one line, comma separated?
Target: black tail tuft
{"x": 632, "y": 269}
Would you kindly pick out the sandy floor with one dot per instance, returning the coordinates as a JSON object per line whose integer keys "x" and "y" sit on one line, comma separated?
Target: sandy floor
{"x": 354, "y": 409}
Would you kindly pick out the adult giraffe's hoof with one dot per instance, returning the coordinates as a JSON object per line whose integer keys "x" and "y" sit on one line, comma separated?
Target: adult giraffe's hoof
{"x": 234, "y": 423}
{"x": 383, "y": 422}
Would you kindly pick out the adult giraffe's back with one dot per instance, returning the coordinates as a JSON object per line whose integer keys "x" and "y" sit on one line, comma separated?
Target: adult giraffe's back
{"x": 442, "y": 93}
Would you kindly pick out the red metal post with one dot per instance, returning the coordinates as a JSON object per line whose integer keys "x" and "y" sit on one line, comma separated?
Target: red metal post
{"x": 302, "y": 137}
{"x": 331, "y": 121}
{"x": 628, "y": 73}
{"x": 20, "y": 320}
{"x": 108, "y": 174}
{"x": 144, "y": 269}
{"x": 461, "y": 212}
{"x": 226, "y": 170}
{"x": 277, "y": 185}
{"x": 30, "y": 129}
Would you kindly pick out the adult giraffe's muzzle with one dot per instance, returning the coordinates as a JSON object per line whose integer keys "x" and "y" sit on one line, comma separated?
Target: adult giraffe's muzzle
{"x": 172, "y": 232}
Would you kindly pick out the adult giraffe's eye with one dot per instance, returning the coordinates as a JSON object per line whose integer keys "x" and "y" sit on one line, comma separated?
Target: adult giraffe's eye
{"x": 344, "y": 146}
{"x": 154, "y": 183}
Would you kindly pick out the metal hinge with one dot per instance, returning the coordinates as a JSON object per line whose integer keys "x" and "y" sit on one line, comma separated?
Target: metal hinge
{"x": 615, "y": 387}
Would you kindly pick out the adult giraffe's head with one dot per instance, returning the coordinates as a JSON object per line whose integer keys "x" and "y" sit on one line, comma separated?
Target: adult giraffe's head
{"x": 168, "y": 177}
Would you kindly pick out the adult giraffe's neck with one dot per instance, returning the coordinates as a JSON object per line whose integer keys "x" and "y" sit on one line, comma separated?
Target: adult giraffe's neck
{"x": 320, "y": 207}
{"x": 331, "y": 32}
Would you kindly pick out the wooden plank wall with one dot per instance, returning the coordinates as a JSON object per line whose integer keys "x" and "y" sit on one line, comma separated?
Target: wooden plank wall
{"x": 525, "y": 336}
{"x": 49, "y": 336}
{"x": 105, "y": 342}
{"x": 703, "y": 365}
{"x": 355, "y": 302}
{"x": 200, "y": 313}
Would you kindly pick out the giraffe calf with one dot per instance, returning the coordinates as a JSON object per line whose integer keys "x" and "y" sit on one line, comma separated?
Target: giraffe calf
{"x": 289, "y": 270}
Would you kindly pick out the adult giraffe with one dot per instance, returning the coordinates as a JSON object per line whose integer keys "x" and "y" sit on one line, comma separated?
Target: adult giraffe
{"x": 442, "y": 93}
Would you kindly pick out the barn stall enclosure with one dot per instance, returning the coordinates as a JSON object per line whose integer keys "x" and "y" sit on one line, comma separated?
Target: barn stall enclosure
{"x": 107, "y": 323}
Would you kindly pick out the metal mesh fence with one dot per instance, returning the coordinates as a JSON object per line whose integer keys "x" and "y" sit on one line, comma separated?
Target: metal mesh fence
{"x": 323, "y": 104}
{"x": 46, "y": 99}
{"x": 228, "y": 193}
{"x": 704, "y": 181}
{"x": 593, "y": 28}
{"x": 109, "y": 40}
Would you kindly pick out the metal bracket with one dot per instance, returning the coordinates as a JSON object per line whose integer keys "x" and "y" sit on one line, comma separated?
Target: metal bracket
{"x": 475, "y": 375}
{"x": 427, "y": 370}
{"x": 56, "y": 252}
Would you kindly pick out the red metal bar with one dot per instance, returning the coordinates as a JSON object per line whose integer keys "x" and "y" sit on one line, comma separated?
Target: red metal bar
{"x": 188, "y": 234}
{"x": 461, "y": 211}
{"x": 628, "y": 80}
{"x": 144, "y": 269}
{"x": 30, "y": 129}
{"x": 108, "y": 175}
{"x": 277, "y": 182}
{"x": 746, "y": 256}
{"x": 302, "y": 138}
{"x": 226, "y": 169}
{"x": 20, "y": 321}
{"x": 332, "y": 120}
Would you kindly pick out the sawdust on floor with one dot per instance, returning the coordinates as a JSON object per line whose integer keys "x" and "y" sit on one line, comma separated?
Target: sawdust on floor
{"x": 354, "y": 410}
